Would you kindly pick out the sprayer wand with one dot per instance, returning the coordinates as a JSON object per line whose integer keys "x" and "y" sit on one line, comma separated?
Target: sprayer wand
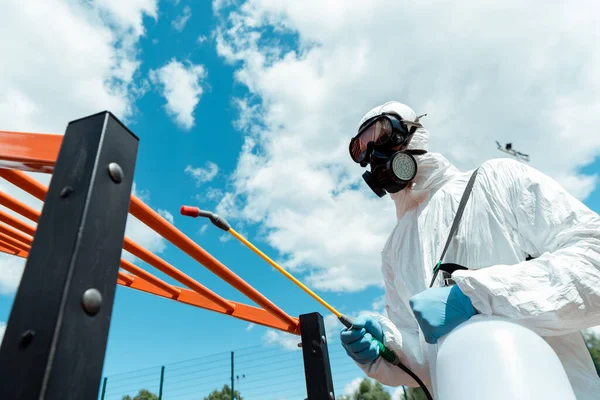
{"x": 347, "y": 321}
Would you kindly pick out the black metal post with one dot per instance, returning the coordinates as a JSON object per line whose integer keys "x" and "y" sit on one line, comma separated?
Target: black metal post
{"x": 104, "y": 389}
{"x": 55, "y": 340}
{"x": 162, "y": 381}
{"x": 319, "y": 383}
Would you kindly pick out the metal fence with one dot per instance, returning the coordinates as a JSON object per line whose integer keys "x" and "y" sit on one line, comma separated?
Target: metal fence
{"x": 265, "y": 372}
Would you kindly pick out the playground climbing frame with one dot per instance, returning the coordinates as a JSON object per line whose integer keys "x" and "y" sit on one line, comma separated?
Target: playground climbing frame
{"x": 56, "y": 335}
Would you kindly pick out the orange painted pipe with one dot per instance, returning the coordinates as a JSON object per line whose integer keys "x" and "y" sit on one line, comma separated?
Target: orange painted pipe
{"x": 17, "y": 223}
{"x": 29, "y": 151}
{"x": 19, "y": 207}
{"x": 18, "y": 253}
{"x": 8, "y": 249}
{"x": 25, "y": 182}
{"x": 174, "y": 273}
{"x": 14, "y": 242}
{"x": 127, "y": 279}
{"x": 151, "y": 218}
{"x": 38, "y": 190}
{"x": 126, "y": 265}
{"x": 147, "y": 276}
{"x": 242, "y": 311}
{"x": 15, "y": 234}
{"x": 172, "y": 234}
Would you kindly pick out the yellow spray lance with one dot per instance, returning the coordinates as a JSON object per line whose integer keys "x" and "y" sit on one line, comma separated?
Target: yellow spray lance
{"x": 347, "y": 321}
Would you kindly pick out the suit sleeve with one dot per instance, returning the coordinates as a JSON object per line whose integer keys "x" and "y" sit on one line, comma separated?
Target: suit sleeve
{"x": 401, "y": 335}
{"x": 558, "y": 292}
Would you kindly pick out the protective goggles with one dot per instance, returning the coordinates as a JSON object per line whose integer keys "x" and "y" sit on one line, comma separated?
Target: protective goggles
{"x": 383, "y": 130}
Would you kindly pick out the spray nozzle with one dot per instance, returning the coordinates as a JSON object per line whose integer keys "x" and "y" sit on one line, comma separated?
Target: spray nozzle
{"x": 195, "y": 212}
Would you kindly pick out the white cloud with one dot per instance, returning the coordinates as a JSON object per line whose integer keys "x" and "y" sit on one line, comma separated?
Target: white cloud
{"x": 353, "y": 386}
{"x": 398, "y": 394}
{"x": 379, "y": 305}
{"x": 595, "y": 330}
{"x": 128, "y": 15}
{"x": 140, "y": 233}
{"x": 202, "y": 38}
{"x": 203, "y": 175}
{"x": 68, "y": 60}
{"x": 203, "y": 229}
{"x": 220, "y": 4}
{"x": 166, "y": 215}
{"x": 283, "y": 339}
{"x": 79, "y": 59}
{"x": 477, "y": 81}
{"x": 11, "y": 270}
{"x": 180, "y": 22}
{"x": 250, "y": 327}
{"x": 181, "y": 88}
{"x": 213, "y": 194}
{"x": 290, "y": 342}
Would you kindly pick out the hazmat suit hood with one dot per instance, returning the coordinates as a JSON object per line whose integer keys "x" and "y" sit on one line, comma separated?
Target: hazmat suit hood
{"x": 433, "y": 169}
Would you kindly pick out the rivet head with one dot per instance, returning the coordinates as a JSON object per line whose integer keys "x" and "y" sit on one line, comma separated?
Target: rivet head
{"x": 324, "y": 339}
{"x": 26, "y": 338}
{"x": 116, "y": 172}
{"x": 331, "y": 396}
{"x": 67, "y": 190}
{"x": 92, "y": 300}
{"x": 300, "y": 344}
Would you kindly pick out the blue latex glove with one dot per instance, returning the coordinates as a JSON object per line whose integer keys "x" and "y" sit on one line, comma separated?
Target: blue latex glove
{"x": 439, "y": 310}
{"x": 358, "y": 341}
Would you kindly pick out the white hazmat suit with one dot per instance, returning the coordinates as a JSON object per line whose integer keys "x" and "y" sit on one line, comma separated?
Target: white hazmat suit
{"x": 514, "y": 211}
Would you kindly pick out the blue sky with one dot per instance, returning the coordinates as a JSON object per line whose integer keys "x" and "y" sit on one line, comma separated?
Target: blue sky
{"x": 245, "y": 108}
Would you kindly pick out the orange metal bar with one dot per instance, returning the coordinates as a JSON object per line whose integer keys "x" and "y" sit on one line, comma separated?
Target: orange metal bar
{"x": 17, "y": 223}
{"x": 126, "y": 265}
{"x": 126, "y": 279}
{"x": 174, "y": 273}
{"x": 25, "y": 182}
{"x": 15, "y": 234}
{"x": 151, "y": 218}
{"x": 14, "y": 243}
{"x": 163, "y": 228}
{"x": 7, "y": 248}
{"x": 19, "y": 207}
{"x": 242, "y": 311}
{"x": 19, "y": 253}
{"x": 38, "y": 190}
{"x": 134, "y": 269}
{"x": 29, "y": 151}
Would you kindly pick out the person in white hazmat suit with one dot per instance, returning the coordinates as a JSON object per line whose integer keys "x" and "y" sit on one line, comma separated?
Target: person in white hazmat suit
{"x": 530, "y": 249}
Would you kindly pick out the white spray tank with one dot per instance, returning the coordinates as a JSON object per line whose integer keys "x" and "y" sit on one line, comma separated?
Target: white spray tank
{"x": 494, "y": 359}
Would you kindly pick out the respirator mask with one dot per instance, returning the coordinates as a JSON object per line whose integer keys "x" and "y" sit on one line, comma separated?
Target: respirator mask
{"x": 382, "y": 142}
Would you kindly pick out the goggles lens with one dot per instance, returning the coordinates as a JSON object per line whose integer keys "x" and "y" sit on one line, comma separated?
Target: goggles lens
{"x": 378, "y": 132}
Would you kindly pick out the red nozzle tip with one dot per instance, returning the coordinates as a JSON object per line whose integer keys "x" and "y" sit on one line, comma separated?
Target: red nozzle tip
{"x": 189, "y": 211}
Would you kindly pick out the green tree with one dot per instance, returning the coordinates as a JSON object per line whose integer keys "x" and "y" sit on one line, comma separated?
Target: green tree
{"x": 593, "y": 344}
{"x": 415, "y": 394}
{"x": 369, "y": 390}
{"x": 142, "y": 395}
{"x": 223, "y": 394}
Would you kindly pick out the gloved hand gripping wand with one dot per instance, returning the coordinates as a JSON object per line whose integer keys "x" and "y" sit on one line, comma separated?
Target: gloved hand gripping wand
{"x": 347, "y": 321}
